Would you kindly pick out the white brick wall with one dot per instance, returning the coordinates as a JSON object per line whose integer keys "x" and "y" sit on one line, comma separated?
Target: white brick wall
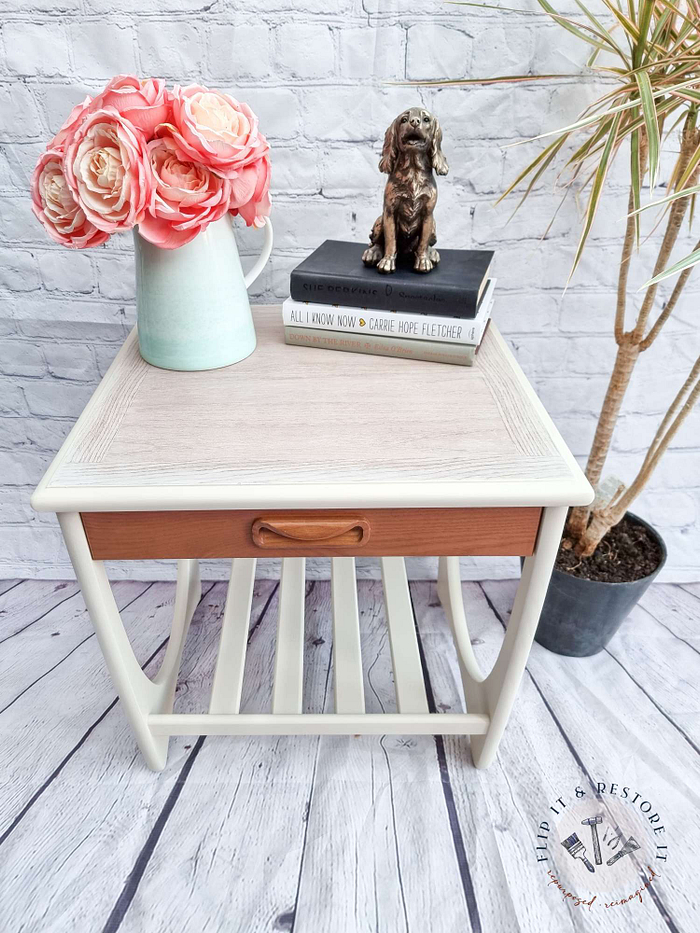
{"x": 321, "y": 83}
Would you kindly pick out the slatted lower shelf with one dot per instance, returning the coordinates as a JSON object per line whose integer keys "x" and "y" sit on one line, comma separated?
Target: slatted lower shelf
{"x": 286, "y": 716}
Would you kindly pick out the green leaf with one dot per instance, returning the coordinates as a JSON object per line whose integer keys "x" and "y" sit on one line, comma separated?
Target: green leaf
{"x": 671, "y": 197}
{"x": 597, "y": 189}
{"x": 686, "y": 263}
{"x": 651, "y": 121}
{"x": 636, "y": 186}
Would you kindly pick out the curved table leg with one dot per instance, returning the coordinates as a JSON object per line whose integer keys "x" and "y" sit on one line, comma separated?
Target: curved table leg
{"x": 140, "y": 696}
{"x": 495, "y": 693}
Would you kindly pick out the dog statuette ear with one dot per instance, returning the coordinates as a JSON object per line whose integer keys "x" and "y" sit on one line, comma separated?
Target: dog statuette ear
{"x": 389, "y": 150}
{"x": 439, "y": 161}
{"x": 405, "y": 231}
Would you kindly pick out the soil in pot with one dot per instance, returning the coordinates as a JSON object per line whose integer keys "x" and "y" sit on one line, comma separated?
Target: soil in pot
{"x": 628, "y": 552}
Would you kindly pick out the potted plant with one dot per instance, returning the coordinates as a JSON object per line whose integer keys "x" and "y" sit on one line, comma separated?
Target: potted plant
{"x": 648, "y": 53}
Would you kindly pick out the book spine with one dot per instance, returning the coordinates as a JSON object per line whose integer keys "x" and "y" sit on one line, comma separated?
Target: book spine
{"x": 374, "y": 323}
{"x": 428, "y": 350}
{"x": 419, "y": 297}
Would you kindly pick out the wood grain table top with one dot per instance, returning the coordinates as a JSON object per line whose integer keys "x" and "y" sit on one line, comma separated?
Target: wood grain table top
{"x": 298, "y": 427}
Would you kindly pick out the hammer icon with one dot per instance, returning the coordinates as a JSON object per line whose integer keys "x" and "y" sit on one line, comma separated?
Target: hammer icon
{"x": 593, "y": 823}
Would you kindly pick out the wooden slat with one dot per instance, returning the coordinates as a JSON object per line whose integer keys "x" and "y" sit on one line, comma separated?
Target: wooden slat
{"x": 229, "y": 533}
{"x": 289, "y": 653}
{"x": 347, "y": 657}
{"x": 230, "y": 662}
{"x": 319, "y": 724}
{"x": 408, "y": 674}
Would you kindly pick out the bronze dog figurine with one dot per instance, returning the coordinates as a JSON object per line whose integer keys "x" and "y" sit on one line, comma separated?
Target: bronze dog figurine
{"x": 406, "y": 228}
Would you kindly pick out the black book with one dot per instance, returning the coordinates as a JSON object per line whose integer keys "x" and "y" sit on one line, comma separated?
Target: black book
{"x": 335, "y": 274}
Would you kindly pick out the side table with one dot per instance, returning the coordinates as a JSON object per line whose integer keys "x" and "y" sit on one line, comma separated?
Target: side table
{"x": 294, "y": 453}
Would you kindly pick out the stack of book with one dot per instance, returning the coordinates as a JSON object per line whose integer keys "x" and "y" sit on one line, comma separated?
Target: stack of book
{"x": 337, "y": 303}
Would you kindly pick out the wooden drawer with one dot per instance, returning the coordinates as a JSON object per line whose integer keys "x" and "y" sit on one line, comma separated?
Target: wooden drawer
{"x": 311, "y": 533}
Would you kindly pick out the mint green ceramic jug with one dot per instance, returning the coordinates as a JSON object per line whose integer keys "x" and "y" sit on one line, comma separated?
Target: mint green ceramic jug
{"x": 192, "y": 302}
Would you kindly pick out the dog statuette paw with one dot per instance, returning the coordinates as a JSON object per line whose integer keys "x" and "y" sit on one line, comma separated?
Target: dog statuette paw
{"x": 411, "y": 157}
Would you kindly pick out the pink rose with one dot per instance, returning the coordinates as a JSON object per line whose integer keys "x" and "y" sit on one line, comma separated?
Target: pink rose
{"x": 187, "y": 196}
{"x": 250, "y": 193}
{"x": 107, "y": 169}
{"x": 144, "y": 103}
{"x": 65, "y": 134}
{"x": 54, "y": 205}
{"x": 215, "y": 129}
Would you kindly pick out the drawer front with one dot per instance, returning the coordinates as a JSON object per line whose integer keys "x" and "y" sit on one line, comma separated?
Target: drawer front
{"x": 311, "y": 533}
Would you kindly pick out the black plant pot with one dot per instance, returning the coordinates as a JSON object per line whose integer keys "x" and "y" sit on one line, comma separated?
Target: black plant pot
{"x": 579, "y": 617}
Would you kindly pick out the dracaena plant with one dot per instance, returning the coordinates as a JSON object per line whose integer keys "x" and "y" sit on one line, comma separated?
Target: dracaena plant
{"x": 647, "y": 54}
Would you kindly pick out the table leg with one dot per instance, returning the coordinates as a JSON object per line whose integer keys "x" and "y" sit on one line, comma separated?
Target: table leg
{"x": 140, "y": 695}
{"x": 494, "y": 694}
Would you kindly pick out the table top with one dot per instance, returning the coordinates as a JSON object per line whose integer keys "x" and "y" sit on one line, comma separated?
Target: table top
{"x": 299, "y": 427}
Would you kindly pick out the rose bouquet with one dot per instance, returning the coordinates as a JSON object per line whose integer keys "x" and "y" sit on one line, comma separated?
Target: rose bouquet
{"x": 170, "y": 161}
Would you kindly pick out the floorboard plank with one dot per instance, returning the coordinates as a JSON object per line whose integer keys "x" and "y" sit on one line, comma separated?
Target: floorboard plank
{"x": 25, "y": 604}
{"x": 40, "y": 647}
{"x": 6, "y": 585}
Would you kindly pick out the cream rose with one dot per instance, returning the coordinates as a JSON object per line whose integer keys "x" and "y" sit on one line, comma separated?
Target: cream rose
{"x": 55, "y": 207}
{"x": 216, "y": 130}
{"x": 187, "y": 196}
{"x": 108, "y": 172}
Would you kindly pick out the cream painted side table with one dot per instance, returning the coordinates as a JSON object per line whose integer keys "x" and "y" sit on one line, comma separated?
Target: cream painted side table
{"x": 296, "y": 453}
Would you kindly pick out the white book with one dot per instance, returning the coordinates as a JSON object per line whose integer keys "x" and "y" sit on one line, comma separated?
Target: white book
{"x": 392, "y": 323}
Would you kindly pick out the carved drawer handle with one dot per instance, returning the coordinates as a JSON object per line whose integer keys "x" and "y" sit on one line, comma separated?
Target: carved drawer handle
{"x": 296, "y": 532}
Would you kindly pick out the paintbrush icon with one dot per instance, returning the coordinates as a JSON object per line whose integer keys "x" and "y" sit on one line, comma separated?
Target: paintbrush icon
{"x": 576, "y": 849}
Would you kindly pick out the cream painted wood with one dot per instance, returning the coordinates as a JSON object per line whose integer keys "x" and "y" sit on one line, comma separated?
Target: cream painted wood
{"x": 405, "y": 657}
{"x": 140, "y": 695}
{"x": 493, "y": 695}
{"x": 230, "y": 662}
{"x": 347, "y": 652}
{"x": 400, "y": 430}
{"x": 287, "y": 693}
{"x": 319, "y": 724}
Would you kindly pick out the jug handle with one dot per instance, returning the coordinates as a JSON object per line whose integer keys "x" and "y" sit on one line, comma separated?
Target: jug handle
{"x": 263, "y": 257}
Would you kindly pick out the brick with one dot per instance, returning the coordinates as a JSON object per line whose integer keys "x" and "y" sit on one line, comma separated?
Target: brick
{"x": 66, "y": 271}
{"x": 17, "y": 161}
{"x": 306, "y": 224}
{"x": 24, "y": 542}
{"x": 101, "y": 50}
{"x": 59, "y": 99}
{"x": 350, "y": 171}
{"x": 12, "y": 400}
{"x": 18, "y": 270}
{"x": 436, "y": 51}
{"x": 170, "y": 49}
{"x": 51, "y": 398}
{"x": 21, "y": 358}
{"x": 674, "y": 509}
{"x": 477, "y": 169}
{"x": 296, "y": 170}
{"x": 241, "y": 51}
{"x": 17, "y": 223}
{"x": 115, "y": 277}
{"x": 306, "y": 51}
{"x": 366, "y": 52}
{"x": 503, "y": 49}
{"x": 71, "y": 361}
{"x": 277, "y": 110}
{"x": 36, "y": 48}
{"x": 43, "y": 434}
{"x": 23, "y": 467}
{"x": 19, "y": 114}
{"x": 357, "y": 114}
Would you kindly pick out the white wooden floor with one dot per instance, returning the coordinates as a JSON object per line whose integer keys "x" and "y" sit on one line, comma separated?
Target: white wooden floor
{"x": 333, "y": 834}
